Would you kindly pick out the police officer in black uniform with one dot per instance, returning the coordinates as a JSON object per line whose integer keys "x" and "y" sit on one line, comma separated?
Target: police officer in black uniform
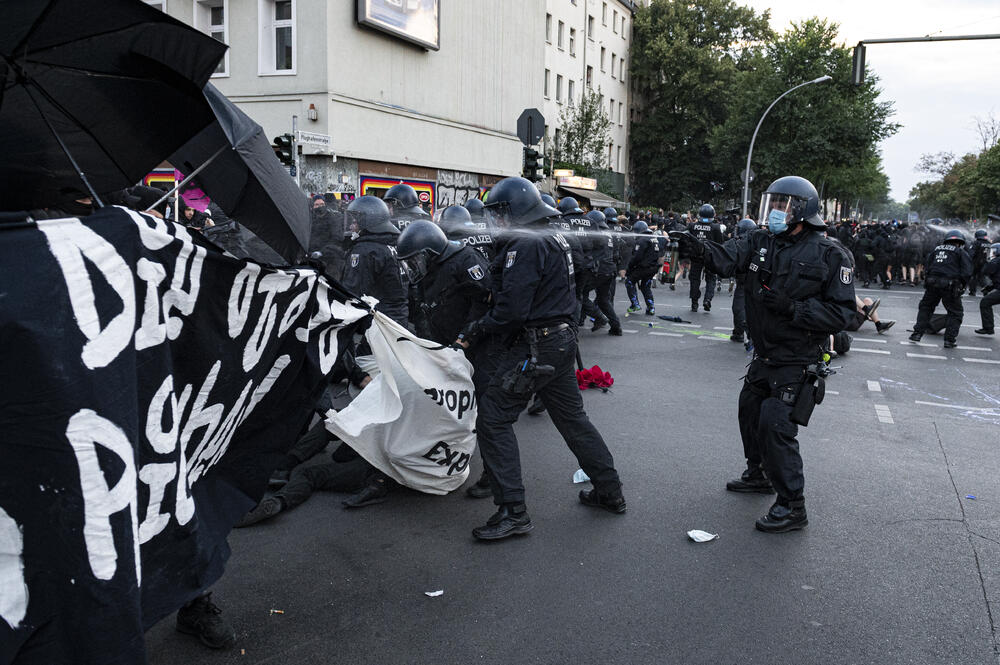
{"x": 371, "y": 268}
{"x": 604, "y": 279}
{"x": 979, "y": 252}
{"x": 799, "y": 290}
{"x": 744, "y": 227}
{"x": 533, "y": 309}
{"x": 404, "y": 205}
{"x": 642, "y": 267}
{"x": 948, "y": 269}
{"x": 457, "y": 224}
{"x": 704, "y": 228}
{"x": 991, "y": 292}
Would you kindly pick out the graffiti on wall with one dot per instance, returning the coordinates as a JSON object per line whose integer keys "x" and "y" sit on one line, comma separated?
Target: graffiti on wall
{"x": 378, "y": 186}
{"x": 456, "y": 187}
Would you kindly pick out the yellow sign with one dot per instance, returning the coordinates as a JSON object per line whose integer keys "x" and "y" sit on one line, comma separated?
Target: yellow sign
{"x": 562, "y": 173}
{"x": 579, "y": 182}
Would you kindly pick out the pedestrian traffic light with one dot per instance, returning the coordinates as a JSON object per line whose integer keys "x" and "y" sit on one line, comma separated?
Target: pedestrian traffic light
{"x": 533, "y": 165}
{"x": 283, "y": 149}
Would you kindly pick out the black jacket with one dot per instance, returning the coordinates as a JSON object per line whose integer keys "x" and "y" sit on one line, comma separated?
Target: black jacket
{"x": 327, "y": 237}
{"x": 979, "y": 252}
{"x": 371, "y": 269}
{"x": 645, "y": 259}
{"x": 992, "y": 273}
{"x": 605, "y": 253}
{"x": 455, "y": 291}
{"x": 478, "y": 239}
{"x": 810, "y": 269}
{"x": 948, "y": 262}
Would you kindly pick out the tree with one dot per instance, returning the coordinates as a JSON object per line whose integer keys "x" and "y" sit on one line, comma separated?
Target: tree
{"x": 685, "y": 58}
{"x": 988, "y": 129}
{"x": 585, "y": 133}
{"x": 966, "y": 188}
{"x": 936, "y": 163}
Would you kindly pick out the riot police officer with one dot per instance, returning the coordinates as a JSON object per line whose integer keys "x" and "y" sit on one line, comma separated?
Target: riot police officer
{"x": 604, "y": 278}
{"x": 980, "y": 255}
{"x": 404, "y": 205}
{"x": 799, "y": 290}
{"x": 457, "y": 224}
{"x": 704, "y": 228}
{"x": 743, "y": 228}
{"x": 642, "y": 267}
{"x": 948, "y": 270}
{"x": 371, "y": 268}
{"x": 991, "y": 292}
{"x": 533, "y": 308}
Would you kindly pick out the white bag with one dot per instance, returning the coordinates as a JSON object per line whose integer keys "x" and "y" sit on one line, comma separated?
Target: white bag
{"x": 415, "y": 420}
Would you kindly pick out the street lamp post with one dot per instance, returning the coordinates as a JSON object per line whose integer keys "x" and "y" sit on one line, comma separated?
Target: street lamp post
{"x": 746, "y": 173}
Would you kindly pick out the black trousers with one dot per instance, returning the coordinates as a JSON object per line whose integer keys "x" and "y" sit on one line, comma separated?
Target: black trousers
{"x": 605, "y": 285}
{"x": 499, "y": 410}
{"x": 765, "y": 407}
{"x": 739, "y": 308}
{"x": 986, "y": 307}
{"x": 585, "y": 284}
{"x": 977, "y": 279}
{"x": 697, "y": 267}
{"x": 634, "y": 284}
{"x": 882, "y": 268}
{"x": 347, "y": 477}
{"x": 951, "y": 298}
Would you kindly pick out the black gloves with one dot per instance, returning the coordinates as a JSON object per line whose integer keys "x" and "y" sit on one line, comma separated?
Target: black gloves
{"x": 778, "y": 302}
{"x": 470, "y": 333}
{"x": 688, "y": 244}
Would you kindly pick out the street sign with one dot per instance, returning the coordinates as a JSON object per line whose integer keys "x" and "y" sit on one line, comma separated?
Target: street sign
{"x": 316, "y": 143}
{"x": 530, "y": 126}
{"x": 743, "y": 175}
{"x": 578, "y": 182}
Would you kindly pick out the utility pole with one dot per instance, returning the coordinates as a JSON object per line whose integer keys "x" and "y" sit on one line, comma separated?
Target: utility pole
{"x": 295, "y": 149}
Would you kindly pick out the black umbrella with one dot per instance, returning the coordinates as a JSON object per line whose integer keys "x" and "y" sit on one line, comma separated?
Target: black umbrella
{"x": 115, "y": 84}
{"x": 243, "y": 176}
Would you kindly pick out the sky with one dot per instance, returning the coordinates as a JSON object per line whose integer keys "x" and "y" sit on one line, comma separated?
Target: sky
{"x": 938, "y": 87}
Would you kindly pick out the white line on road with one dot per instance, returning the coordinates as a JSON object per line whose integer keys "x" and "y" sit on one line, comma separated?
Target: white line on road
{"x": 631, "y": 332}
{"x": 720, "y": 328}
{"x": 973, "y": 348}
{"x": 717, "y": 339}
{"x": 663, "y": 334}
{"x": 925, "y": 355}
{"x": 689, "y": 325}
{"x": 981, "y": 360}
{"x": 869, "y": 339}
{"x": 884, "y": 353}
{"x": 884, "y": 415}
{"x": 907, "y": 342}
{"x": 954, "y": 406}
{"x": 874, "y": 386}
{"x": 832, "y": 392}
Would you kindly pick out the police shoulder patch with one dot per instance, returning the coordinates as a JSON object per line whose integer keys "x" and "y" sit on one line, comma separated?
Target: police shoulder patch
{"x": 476, "y": 272}
{"x": 354, "y": 260}
{"x": 511, "y": 257}
{"x": 846, "y": 274}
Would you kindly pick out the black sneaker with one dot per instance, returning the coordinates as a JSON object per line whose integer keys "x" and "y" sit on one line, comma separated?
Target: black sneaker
{"x": 481, "y": 488}
{"x": 707, "y": 305}
{"x": 375, "y": 492}
{"x": 614, "y": 503}
{"x": 753, "y": 481}
{"x": 673, "y": 287}
{"x": 984, "y": 331}
{"x": 203, "y": 619}
{"x": 616, "y": 331}
{"x": 950, "y": 344}
{"x": 650, "y": 311}
{"x": 916, "y": 337}
{"x": 536, "y": 407}
{"x": 780, "y": 519}
{"x": 694, "y": 305}
{"x": 598, "y": 324}
{"x": 265, "y": 510}
{"x": 882, "y": 326}
{"x": 508, "y": 520}
{"x": 737, "y": 338}
{"x": 870, "y": 309}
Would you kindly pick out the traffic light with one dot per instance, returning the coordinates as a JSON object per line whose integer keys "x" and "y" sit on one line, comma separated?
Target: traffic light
{"x": 533, "y": 165}
{"x": 858, "y": 64}
{"x": 283, "y": 149}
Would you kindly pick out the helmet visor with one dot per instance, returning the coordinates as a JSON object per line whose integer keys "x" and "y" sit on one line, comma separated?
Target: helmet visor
{"x": 776, "y": 211}
{"x": 415, "y": 267}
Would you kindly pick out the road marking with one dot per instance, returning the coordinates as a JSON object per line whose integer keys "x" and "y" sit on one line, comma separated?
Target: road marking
{"x": 631, "y": 332}
{"x": 954, "y": 406}
{"x": 981, "y": 360}
{"x": 884, "y": 353}
{"x": 925, "y": 355}
{"x": 907, "y": 342}
{"x": 973, "y": 348}
{"x": 725, "y": 328}
{"x": 832, "y": 392}
{"x": 874, "y": 386}
{"x": 717, "y": 339}
{"x": 884, "y": 415}
{"x": 689, "y": 325}
{"x": 869, "y": 339}
{"x": 663, "y": 334}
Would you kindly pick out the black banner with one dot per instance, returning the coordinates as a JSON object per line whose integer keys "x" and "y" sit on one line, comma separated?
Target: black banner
{"x": 148, "y": 385}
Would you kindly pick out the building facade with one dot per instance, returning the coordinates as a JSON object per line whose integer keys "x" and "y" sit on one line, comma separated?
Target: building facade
{"x": 587, "y": 44}
{"x": 443, "y": 119}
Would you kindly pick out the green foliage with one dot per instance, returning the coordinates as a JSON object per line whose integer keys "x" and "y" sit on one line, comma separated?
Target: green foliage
{"x": 585, "y": 132}
{"x": 967, "y": 188}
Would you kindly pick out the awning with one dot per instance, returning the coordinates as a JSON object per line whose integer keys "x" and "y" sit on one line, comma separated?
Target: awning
{"x": 592, "y": 198}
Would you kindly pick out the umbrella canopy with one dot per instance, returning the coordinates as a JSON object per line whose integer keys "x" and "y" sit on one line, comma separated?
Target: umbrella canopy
{"x": 118, "y": 81}
{"x": 246, "y": 180}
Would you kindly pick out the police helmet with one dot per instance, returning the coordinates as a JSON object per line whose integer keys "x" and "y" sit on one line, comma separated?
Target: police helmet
{"x": 475, "y": 207}
{"x": 517, "y": 201}
{"x": 640, "y": 227}
{"x": 455, "y": 218}
{"x": 403, "y": 200}
{"x": 371, "y": 215}
{"x": 995, "y": 247}
{"x": 953, "y": 236}
{"x": 598, "y": 219}
{"x": 420, "y": 243}
{"x": 610, "y": 213}
{"x": 981, "y": 233}
{"x": 745, "y": 226}
{"x": 548, "y": 200}
{"x": 569, "y": 206}
{"x": 794, "y": 196}
{"x": 706, "y": 211}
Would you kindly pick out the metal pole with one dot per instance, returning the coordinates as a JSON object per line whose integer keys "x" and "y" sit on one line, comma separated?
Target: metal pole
{"x": 953, "y": 38}
{"x": 295, "y": 148}
{"x": 186, "y": 179}
{"x": 746, "y": 173}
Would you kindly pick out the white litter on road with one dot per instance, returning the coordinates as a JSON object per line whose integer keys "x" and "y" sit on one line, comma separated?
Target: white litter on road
{"x": 701, "y": 536}
{"x": 874, "y": 386}
{"x": 580, "y": 477}
{"x": 884, "y": 416}
{"x": 434, "y": 594}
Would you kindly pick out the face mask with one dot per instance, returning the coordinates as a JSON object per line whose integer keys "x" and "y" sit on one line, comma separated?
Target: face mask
{"x": 776, "y": 222}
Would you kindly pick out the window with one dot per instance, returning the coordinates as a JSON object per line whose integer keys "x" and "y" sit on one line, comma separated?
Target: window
{"x": 611, "y": 110}
{"x": 614, "y": 22}
{"x": 548, "y": 28}
{"x": 547, "y": 83}
{"x": 604, "y": 14}
{"x": 603, "y": 53}
{"x": 559, "y": 80}
{"x": 613, "y": 58}
{"x": 158, "y": 4}
{"x": 621, "y": 69}
{"x": 570, "y": 91}
{"x": 618, "y": 162}
{"x": 610, "y": 147}
{"x": 590, "y": 77}
{"x": 590, "y": 27}
{"x": 572, "y": 42}
{"x": 623, "y": 27}
{"x": 210, "y": 17}
{"x": 558, "y": 142}
{"x": 277, "y": 37}
{"x": 621, "y": 114}
{"x": 559, "y": 34}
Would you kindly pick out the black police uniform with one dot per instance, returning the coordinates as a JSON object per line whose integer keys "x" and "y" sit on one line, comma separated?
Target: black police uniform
{"x": 948, "y": 269}
{"x": 565, "y": 227}
{"x": 991, "y": 297}
{"x": 703, "y": 231}
{"x": 454, "y": 292}
{"x": 371, "y": 269}
{"x": 586, "y": 272}
{"x": 809, "y": 270}
{"x": 642, "y": 267}
{"x": 604, "y": 280}
{"x": 979, "y": 252}
{"x": 535, "y": 295}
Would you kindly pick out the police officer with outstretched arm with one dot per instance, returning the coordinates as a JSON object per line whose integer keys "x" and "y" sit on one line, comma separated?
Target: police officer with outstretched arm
{"x": 533, "y": 310}
{"x": 799, "y": 289}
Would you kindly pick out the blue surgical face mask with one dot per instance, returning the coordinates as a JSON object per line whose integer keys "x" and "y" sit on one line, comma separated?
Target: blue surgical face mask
{"x": 776, "y": 222}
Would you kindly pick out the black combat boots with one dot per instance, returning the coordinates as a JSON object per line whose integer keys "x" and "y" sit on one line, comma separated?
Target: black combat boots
{"x": 783, "y": 518}
{"x": 753, "y": 480}
{"x": 510, "y": 519}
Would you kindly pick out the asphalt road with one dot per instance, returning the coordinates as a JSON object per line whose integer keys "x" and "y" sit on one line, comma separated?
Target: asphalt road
{"x": 897, "y": 565}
